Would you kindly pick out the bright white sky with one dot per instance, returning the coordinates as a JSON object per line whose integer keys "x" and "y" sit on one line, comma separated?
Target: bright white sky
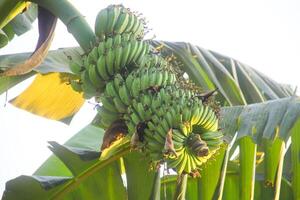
{"x": 261, "y": 33}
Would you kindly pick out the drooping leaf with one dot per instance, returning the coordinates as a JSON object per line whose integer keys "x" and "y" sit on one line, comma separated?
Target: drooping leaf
{"x": 47, "y": 24}
{"x": 89, "y": 178}
{"x": 50, "y": 96}
{"x": 238, "y": 83}
{"x": 267, "y": 120}
{"x": 8, "y": 82}
{"x": 56, "y": 60}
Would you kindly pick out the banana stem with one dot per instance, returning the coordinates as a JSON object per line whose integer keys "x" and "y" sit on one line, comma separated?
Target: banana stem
{"x": 74, "y": 21}
{"x": 181, "y": 187}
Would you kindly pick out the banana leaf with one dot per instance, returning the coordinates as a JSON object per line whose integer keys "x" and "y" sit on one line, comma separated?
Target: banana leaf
{"x": 267, "y": 120}
{"x": 231, "y": 191}
{"x": 75, "y": 172}
{"x": 56, "y": 61}
{"x": 35, "y": 98}
{"x": 238, "y": 83}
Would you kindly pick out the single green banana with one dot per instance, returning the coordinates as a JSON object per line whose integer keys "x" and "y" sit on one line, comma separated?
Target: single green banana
{"x": 159, "y": 79}
{"x": 94, "y": 55}
{"x": 100, "y": 24}
{"x": 76, "y": 85}
{"x": 131, "y": 127}
{"x": 117, "y": 40}
{"x": 118, "y": 51}
{"x": 211, "y": 135}
{"x": 214, "y": 143}
{"x": 126, "y": 52}
{"x": 101, "y": 68}
{"x": 203, "y": 115}
{"x": 145, "y": 81}
{"x": 122, "y": 22}
{"x": 111, "y": 90}
{"x": 160, "y": 130}
{"x": 109, "y": 60}
{"x": 125, "y": 95}
{"x": 211, "y": 122}
{"x": 95, "y": 78}
{"x": 136, "y": 25}
{"x": 130, "y": 23}
{"x": 152, "y": 79}
{"x": 108, "y": 104}
{"x": 135, "y": 118}
{"x": 181, "y": 166}
{"x": 134, "y": 46}
{"x": 138, "y": 51}
{"x": 155, "y": 119}
{"x": 143, "y": 52}
{"x": 209, "y": 116}
{"x": 75, "y": 68}
{"x": 126, "y": 38}
{"x": 186, "y": 114}
{"x": 87, "y": 81}
{"x": 101, "y": 49}
{"x": 169, "y": 119}
{"x": 120, "y": 106}
{"x": 129, "y": 80}
{"x": 108, "y": 43}
{"x": 184, "y": 129}
{"x": 136, "y": 87}
{"x": 108, "y": 115}
{"x": 141, "y": 111}
{"x": 174, "y": 163}
{"x": 165, "y": 125}
{"x": 113, "y": 15}
{"x": 196, "y": 115}
{"x": 140, "y": 30}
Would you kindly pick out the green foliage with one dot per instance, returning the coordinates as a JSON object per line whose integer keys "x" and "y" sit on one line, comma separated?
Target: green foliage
{"x": 262, "y": 168}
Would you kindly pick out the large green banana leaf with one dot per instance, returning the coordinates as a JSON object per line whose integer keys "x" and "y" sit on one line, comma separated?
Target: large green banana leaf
{"x": 238, "y": 83}
{"x": 75, "y": 172}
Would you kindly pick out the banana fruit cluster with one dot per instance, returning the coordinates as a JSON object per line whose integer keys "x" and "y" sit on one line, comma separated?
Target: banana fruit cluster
{"x": 104, "y": 61}
{"x": 137, "y": 85}
{"x": 116, "y": 19}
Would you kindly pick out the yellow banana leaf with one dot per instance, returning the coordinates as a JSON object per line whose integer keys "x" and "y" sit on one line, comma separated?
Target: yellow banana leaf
{"x": 51, "y": 96}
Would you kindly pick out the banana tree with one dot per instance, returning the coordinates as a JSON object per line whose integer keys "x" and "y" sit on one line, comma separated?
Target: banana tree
{"x": 175, "y": 121}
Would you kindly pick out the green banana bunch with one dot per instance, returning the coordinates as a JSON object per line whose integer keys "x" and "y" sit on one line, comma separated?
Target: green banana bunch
{"x": 109, "y": 58}
{"x": 136, "y": 85}
{"x": 116, "y": 19}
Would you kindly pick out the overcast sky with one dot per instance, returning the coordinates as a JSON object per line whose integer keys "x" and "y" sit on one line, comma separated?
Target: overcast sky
{"x": 263, "y": 34}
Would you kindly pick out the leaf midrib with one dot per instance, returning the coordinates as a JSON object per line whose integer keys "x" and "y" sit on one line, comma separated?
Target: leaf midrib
{"x": 85, "y": 174}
